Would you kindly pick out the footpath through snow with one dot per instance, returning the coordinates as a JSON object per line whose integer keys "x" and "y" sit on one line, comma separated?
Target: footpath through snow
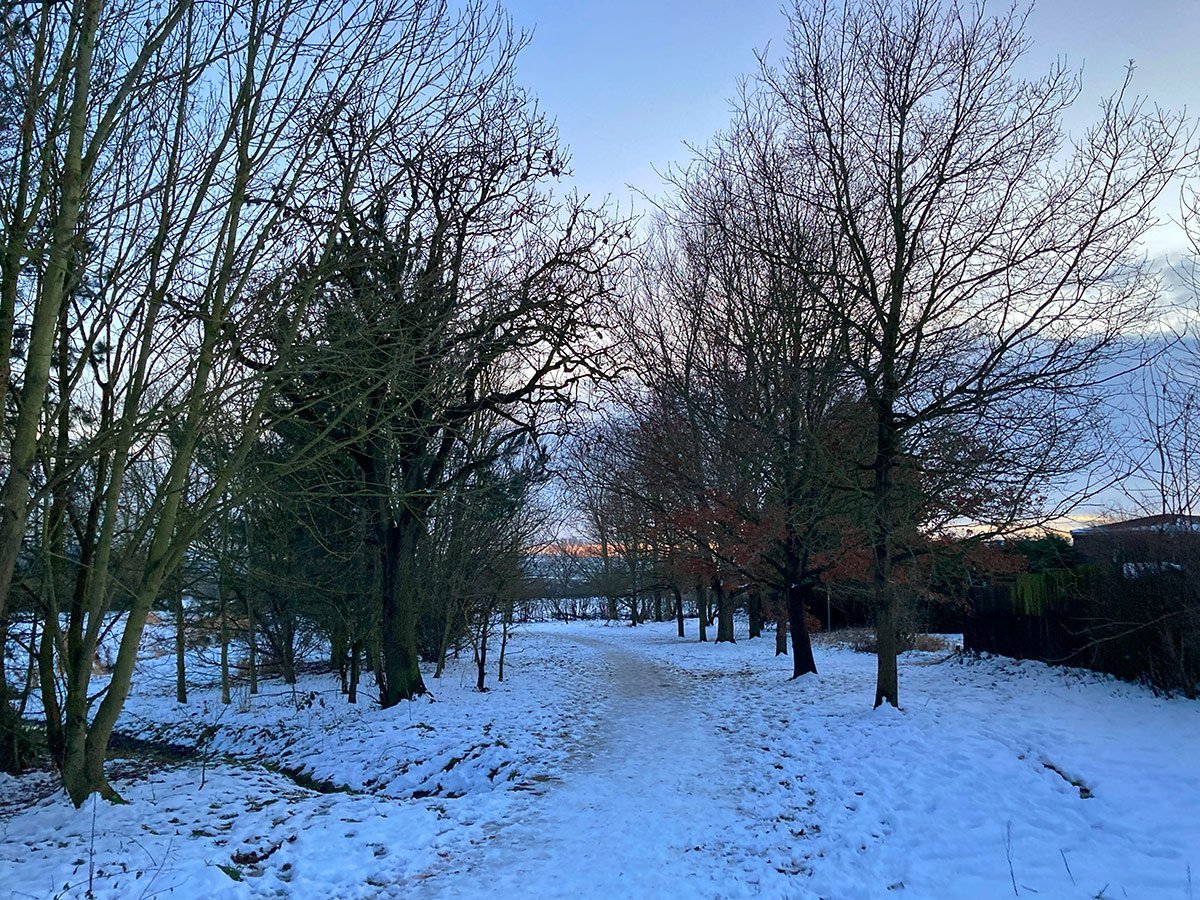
{"x": 642, "y": 811}
{"x": 617, "y": 762}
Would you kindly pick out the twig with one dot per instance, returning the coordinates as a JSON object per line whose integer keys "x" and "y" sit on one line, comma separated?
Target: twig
{"x": 1063, "y": 854}
{"x": 92, "y": 850}
{"x": 157, "y": 871}
{"x": 153, "y": 861}
{"x": 1008, "y": 853}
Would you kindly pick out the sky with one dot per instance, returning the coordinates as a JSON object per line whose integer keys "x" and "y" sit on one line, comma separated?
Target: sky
{"x": 631, "y": 82}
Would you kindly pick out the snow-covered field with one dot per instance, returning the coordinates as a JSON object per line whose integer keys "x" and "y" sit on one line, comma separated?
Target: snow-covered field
{"x": 618, "y": 762}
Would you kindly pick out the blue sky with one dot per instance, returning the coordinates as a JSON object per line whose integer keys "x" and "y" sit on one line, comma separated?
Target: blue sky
{"x": 629, "y": 82}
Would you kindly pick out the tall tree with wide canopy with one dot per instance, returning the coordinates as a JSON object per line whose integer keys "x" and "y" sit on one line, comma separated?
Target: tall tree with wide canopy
{"x": 467, "y": 290}
{"x": 980, "y": 264}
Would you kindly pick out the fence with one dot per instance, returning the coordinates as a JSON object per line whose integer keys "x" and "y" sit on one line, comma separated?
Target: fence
{"x": 1143, "y": 628}
{"x": 997, "y": 624}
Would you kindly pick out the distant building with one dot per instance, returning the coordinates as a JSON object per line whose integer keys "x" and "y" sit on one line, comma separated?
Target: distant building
{"x": 1143, "y": 545}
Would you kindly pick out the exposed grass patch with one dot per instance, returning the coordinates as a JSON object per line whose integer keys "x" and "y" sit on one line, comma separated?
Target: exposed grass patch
{"x": 1085, "y": 792}
{"x": 122, "y": 745}
{"x": 305, "y": 779}
{"x": 862, "y": 640}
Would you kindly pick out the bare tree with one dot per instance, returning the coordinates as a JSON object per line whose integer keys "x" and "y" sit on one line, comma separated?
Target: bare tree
{"x": 66, "y": 124}
{"x": 980, "y": 266}
{"x": 466, "y": 288}
{"x": 778, "y": 388}
{"x": 210, "y": 214}
{"x": 1163, "y": 415}
{"x": 1160, "y": 446}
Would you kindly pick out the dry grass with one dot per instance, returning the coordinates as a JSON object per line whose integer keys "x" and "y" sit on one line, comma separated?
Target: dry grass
{"x": 862, "y": 640}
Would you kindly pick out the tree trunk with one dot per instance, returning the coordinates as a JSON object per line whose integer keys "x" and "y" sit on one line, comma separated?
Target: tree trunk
{"x": 376, "y": 658}
{"x": 401, "y": 662}
{"x": 781, "y": 630}
{"x": 355, "y": 655}
{"x": 802, "y": 655}
{"x": 724, "y": 612}
{"x": 55, "y": 740}
{"x": 55, "y": 285}
{"x": 702, "y": 610}
{"x": 374, "y": 650}
{"x": 180, "y": 647}
{"x": 223, "y": 608}
{"x": 481, "y": 655}
{"x": 507, "y": 623}
{"x": 12, "y": 731}
{"x": 252, "y": 646}
{"x": 678, "y": 608}
{"x": 223, "y": 599}
{"x": 337, "y": 659}
{"x": 754, "y": 612}
{"x": 887, "y": 687}
{"x": 611, "y": 611}
{"x": 287, "y": 648}
{"x": 886, "y": 644}
{"x": 22, "y": 444}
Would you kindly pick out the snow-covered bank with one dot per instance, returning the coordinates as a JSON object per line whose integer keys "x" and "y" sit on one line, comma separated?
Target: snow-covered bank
{"x": 409, "y": 780}
{"x": 245, "y": 832}
{"x": 626, "y": 762}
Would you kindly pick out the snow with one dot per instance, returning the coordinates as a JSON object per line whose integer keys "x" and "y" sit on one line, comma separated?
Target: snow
{"x": 172, "y": 837}
{"x": 619, "y": 762}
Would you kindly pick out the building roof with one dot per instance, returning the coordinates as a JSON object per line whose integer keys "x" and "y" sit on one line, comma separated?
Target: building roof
{"x": 1170, "y": 522}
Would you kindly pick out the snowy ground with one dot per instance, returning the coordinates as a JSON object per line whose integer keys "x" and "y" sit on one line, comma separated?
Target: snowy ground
{"x": 619, "y": 762}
